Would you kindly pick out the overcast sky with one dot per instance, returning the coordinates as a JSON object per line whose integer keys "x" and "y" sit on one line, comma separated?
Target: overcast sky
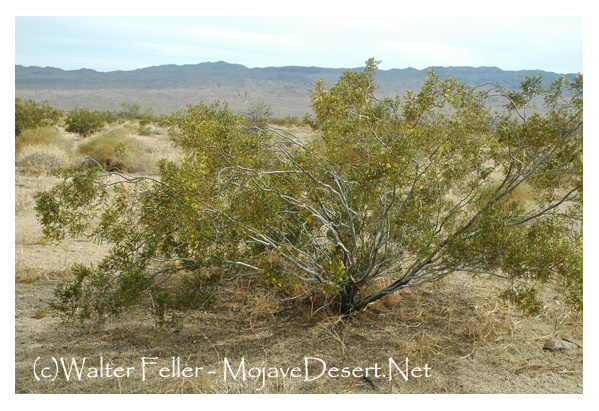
{"x": 126, "y": 43}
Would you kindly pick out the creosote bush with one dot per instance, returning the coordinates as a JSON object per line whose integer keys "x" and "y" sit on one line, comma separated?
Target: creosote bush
{"x": 30, "y": 115}
{"x": 84, "y": 122}
{"x": 393, "y": 193}
{"x": 258, "y": 112}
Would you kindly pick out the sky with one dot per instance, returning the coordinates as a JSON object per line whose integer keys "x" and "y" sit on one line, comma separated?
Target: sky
{"x": 324, "y": 39}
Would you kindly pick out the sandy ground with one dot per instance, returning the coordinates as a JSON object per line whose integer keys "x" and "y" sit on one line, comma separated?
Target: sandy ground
{"x": 455, "y": 354}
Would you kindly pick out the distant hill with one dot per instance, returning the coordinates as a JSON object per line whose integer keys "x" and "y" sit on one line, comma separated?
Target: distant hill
{"x": 168, "y": 88}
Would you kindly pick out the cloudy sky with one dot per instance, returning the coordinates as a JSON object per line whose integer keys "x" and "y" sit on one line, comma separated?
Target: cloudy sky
{"x": 331, "y": 40}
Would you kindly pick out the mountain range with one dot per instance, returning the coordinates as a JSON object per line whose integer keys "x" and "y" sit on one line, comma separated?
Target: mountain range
{"x": 168, "y": 88}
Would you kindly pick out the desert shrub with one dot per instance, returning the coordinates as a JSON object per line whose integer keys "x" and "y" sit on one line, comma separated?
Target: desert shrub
{"x": 116, "y": 150}
{"x": 112, "y": 117}
{"x": 30, "y": 115}
{"x": 145, "y": 127}
{"x": 259, "y": 112}
{"x": 135, "y": 110}
{"x": 144, "y": 130}
{"x": 161, "y": 120}
{"x": 84, "y": 122}
{"x": 311, "y": 122}
{"x": 394, "y": 193}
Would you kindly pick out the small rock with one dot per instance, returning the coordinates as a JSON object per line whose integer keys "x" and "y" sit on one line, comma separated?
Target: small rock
{"x": 557, "y": 345}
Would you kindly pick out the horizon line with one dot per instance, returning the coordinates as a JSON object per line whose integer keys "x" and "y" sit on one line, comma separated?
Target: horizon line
{"x": 284, "y": 66}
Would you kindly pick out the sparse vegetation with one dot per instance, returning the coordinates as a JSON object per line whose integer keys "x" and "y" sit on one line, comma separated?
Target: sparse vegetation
{"x": 393, "y": 194}
{"x": 289, "y": 121}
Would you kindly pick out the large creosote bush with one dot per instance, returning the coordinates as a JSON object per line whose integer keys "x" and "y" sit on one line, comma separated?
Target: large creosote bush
{"x": 393, "y": 193}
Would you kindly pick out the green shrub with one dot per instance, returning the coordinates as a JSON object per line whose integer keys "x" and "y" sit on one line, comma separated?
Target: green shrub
{"x": 116, "y": 150}
{"x": 84, "y": 122}
{"x": 135, "y": 110}
{"x": 393, "y": 194}
{"x": 113, "y": 118}
{"x": 145, "y": 127}
{"x": 29, "y": 115}
{"x": 144, "y": 131}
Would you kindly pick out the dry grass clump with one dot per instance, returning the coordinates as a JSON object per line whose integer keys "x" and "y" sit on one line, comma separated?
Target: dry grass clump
{"x": 286, "y": 134}
{"x": 160, "y": 146}
{"x": 40, "y": 163}
{"x": 43, "y": 136}
{"x": 40, "y": 151}
{"x": 117, "y": 151}
{"x": 304, "y": 133}
{"x": 23, "y": 203}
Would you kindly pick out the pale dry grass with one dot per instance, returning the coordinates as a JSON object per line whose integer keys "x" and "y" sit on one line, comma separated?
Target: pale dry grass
{"x": 66, "y": 155}
{"x": 160, "y": 146}
{"x": 39, "y": 152}
{"x": 304, "y": 133}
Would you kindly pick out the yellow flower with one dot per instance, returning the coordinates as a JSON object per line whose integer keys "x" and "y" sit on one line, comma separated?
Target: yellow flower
{"x": 388, "y": 165}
